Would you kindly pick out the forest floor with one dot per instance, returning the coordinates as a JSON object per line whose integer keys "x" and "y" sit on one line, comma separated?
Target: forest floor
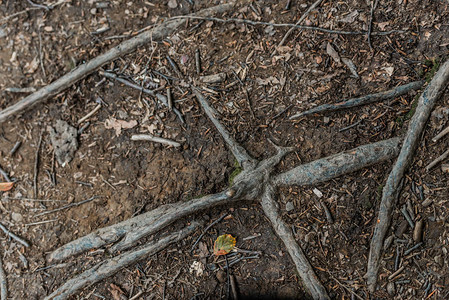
{"x": 129, "y": 178}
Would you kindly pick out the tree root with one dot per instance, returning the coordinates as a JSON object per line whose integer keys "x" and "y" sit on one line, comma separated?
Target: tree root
{"x": 391, "y": 190}
{"x": 364, "y": 100}
{"x": 110, "y": 266}
{"x": 158, "y": 33}
{"x": 253, "y": 183}
{"x": 305, "y": 270}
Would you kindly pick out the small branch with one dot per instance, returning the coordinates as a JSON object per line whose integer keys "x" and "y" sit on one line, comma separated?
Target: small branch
{"x": 13, "y": 236}
{"x": 440, "y": 135}
{"x": 152, "y": 138}
{"x": 36, "y": 166}
{"x": 364, "y": 100}
{"x": 131, "y": 230}
{"x": 207, "y": 228}
{"x": 3, "y": 283}
{"x": 370, "y": 25}
{"x": 302, "y": 18}
{"x": 437, "y": 160}
{"x": 305, "y": 270}
{"x": 155, "y": 34}
{"x": 391, "y": 190}
{"x": 312, "y": 28}
{"x": 342, "y": 163}
{"x": 110, "y": 266}
{"x": 160, "y": 97}
{"x": 65, "y": 207}
{"x": 90, "y": 114}
{"x": 240, "y": 154}
{"x": 5, "y": 175}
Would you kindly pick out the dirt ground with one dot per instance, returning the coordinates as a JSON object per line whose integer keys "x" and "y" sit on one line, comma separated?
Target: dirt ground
{"x": 37, "y": 46}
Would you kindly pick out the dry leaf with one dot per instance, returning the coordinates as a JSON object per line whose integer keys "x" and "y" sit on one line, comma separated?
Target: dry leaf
{"x": 333, "y": 53}
{"x": 382, "y": 25}
{"x": 351, "y": 66}
{"x": 118, "y": 125}
{"x": 6, "y": 186}
{"x": 318, "y": 59}
{"x": 224, "y": 244}
{"x": 350, "y": 18}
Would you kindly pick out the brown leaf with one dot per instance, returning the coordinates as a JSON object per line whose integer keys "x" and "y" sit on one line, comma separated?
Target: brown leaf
{"x": 333, "y": 53}
{"x": 6, "y": 186}
{"x": 118, "y": 125}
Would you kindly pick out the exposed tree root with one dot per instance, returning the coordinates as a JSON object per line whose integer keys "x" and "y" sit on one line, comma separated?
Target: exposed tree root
{"x": 364, "y": 100}
{"x": 305, "y": 270}
{"x": 253, "y": 183}
{"x": 391, "y": 190}
{"x": 155, "y": 34}
{"x": 110, "y": 266}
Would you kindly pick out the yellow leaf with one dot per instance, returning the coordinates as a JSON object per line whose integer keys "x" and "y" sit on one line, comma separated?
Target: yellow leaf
{"x": 6, "y": 186}
{"x": 224, "y": 244}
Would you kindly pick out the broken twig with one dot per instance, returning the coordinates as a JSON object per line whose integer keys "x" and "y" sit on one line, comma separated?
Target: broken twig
{"x": 391, "y": 189}
{"x": 3, "y": 283}
{"x": 364, "y": 100}
{"x": 152, "y": 138}
{"x": 65, "y": 207}
{"x": 13, "y": 236}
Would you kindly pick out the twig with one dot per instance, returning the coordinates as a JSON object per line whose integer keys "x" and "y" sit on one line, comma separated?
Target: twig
{"x": 66, "y": 207}
{"x": 305, "y": 270}
{"x": 39, "y": 5}
{"x": 5, "y": 175}
{"x": 408, "y": 251}
{"x": 312, "y": 28}
{"x": 152, "y": 138}
{"x": 437, "y": 160}
{"x": 407, "y": 217}
{"x": 36, "y": 166}
{"x": 207, "y": 228}
{"x": 41, "y": 57}
{"x": 391, "y": 190}
{"x": 90, "y": 114}
{"x": 110, "y": 266}
{"x": 33, "y": 199}
{"x": 21, "y": 90}
{"x": 161, "y": 97}
{"x": 13, "y": 236}
{"x": 364, "y": 100}
{"x": 302, "y": 18}
{"x": 40, "y": 223}
{"x": 3, "y": 283}
{"x": 370, "y": 25}
{"x": 440, "y": 135}
{"x": 157, "y": 33}
{"x": 198, "y": 61}
{"x": 396, "y": 273}
{"x": 15, "y": 148}
{"x": 4, "y": 19}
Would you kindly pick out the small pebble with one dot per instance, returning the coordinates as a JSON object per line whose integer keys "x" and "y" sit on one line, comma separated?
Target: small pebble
{"x": 391, "y": 288}
{"x": 289, "y": 206}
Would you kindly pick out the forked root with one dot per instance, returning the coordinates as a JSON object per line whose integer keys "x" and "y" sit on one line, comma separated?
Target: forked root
{"x": 111, "y": 266}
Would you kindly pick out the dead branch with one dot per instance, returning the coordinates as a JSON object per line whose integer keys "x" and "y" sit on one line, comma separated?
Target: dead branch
{"x": 13, "y": 236}
{"x": 364, "y": 100}
{"x": 437, "y": 160}
{"x": 305, "y": 270}
{"x": 155, "y": 34}
{"x": 441, "y": 134}
{"x": 391, "y": 190}
{"x": 110, "y": 266}
{"x": 287, "y": 34}
{"x": 342, "y": 163}
{"x": 152, "y": 138}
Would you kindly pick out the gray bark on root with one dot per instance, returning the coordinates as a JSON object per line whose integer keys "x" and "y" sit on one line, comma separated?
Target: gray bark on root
{"x": 305, "y": 270}
{"x": 364, "y": 100}
{"x": 111, "y": 266}
{"x": 391, "y": 190}
{"x": 158, "y": 33}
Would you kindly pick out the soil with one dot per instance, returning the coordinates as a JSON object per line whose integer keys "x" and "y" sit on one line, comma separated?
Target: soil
{"x": 128, "y": 178}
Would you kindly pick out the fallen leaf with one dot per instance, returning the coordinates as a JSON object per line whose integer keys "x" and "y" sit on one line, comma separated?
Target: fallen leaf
{"x": 351, "y": 66}
{"x": 118, "y": 125}
{"x": 6, "y": 186}
{"x": 350, "y": 17}
{"x": 318, "y": 59}
{"x": 382, "y": 25}
{"x": 333, "y": 53}
{"x": 224, "y": 244}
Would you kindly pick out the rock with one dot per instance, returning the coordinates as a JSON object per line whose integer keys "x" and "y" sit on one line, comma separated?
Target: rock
{"x": 172, "y": 4}
{"x": 64, "y": 140}
{"x": 289, "y": 206}
{"x": 17, "y": 217}
{"x": 391, "y": 290}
